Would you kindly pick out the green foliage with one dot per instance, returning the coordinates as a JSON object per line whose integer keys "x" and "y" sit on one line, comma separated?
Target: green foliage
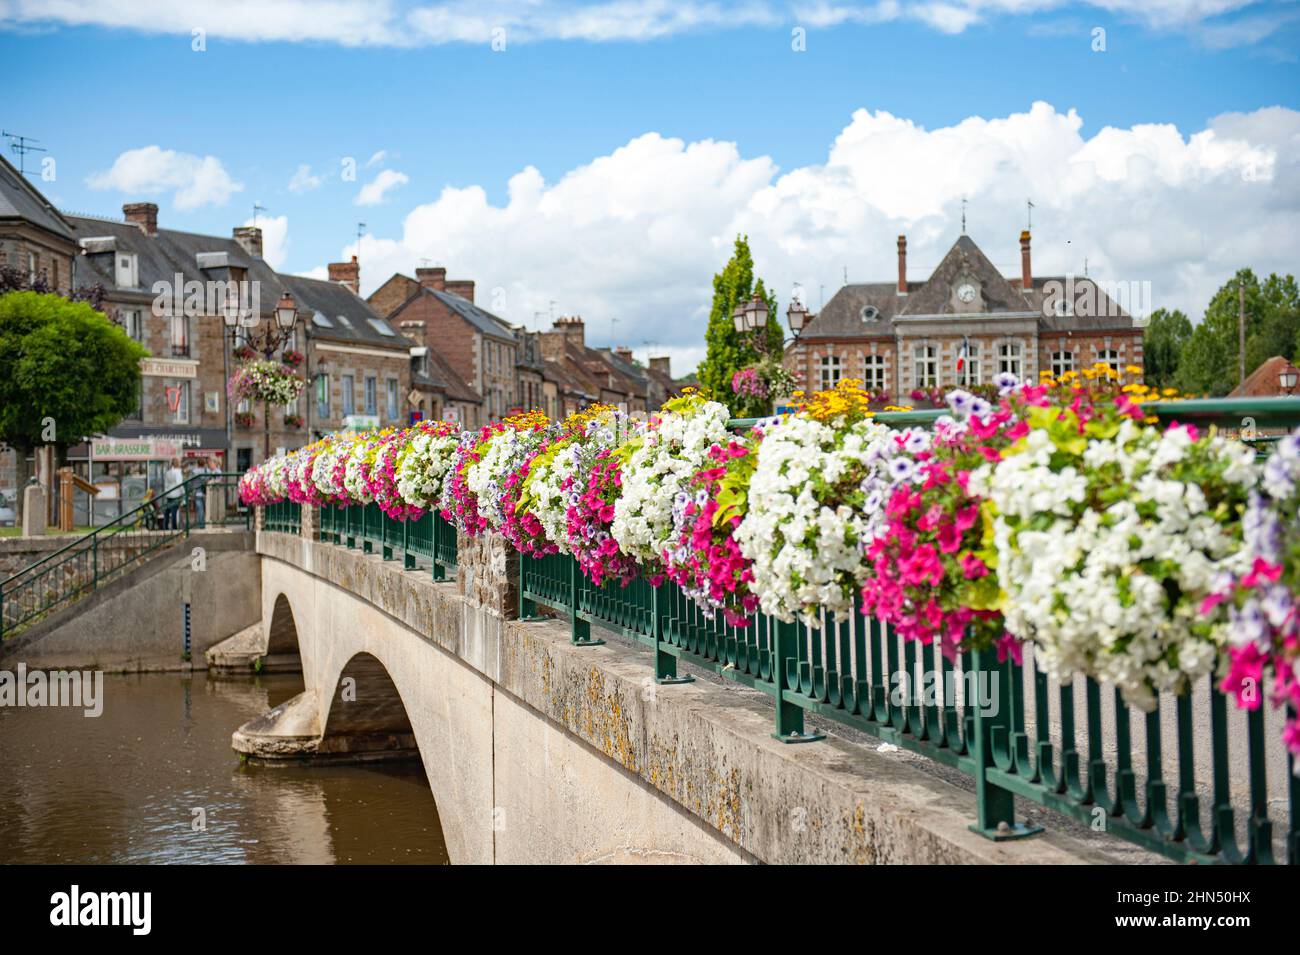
{"x": 1166, "y": 336}
{"x": 62, "y": 360}
{"x": 1209, "y": 361}
{"x": 728, "y": 351}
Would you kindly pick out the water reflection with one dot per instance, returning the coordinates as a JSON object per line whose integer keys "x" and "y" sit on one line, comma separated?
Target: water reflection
{"x": 129, "y": 786}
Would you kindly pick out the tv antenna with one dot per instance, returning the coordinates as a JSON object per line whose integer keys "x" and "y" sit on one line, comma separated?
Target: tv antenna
{"x": 361, "y": 227}
{"x": 257, "y": 207}
{"x": 1029, "y": 214}
{"x": 22, "y": 145}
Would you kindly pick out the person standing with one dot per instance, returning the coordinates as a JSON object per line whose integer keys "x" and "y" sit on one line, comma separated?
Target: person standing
{"x": 199, "y": 469}
{"x": 173, "y": 492}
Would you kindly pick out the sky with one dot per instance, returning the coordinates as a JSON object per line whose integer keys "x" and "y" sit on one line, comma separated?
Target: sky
{"x": 600, "y": 158}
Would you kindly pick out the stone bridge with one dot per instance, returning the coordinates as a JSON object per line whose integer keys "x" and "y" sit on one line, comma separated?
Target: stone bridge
{"x": 541, "y": 751}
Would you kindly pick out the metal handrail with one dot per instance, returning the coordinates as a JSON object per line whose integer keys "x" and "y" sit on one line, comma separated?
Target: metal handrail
{"x": 87, "y": 549}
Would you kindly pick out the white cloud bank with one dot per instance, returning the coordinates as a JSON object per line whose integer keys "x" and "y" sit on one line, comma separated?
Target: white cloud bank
{"x": 376, "y": 190}
{"x": 405, "y": 24}
{"x": 637, "y": 235}
{"x": 194, "y": 180}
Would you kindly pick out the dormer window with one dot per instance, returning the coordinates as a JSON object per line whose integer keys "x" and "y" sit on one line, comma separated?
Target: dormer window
{"x": 870, "y": 313}
{"x": 126, "y": 273}
{"x": 1063, "y": 308}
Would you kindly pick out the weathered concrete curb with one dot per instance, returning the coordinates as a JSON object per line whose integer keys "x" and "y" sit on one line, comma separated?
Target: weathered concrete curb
{"x": 708, "y": 748}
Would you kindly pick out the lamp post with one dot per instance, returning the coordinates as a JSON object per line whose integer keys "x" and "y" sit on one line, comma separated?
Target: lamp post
{"x": 266, "y": 340}
{"x": 1287, "y": 379}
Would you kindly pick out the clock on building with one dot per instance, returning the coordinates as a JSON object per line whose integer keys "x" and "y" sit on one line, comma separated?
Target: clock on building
{"x": 966, "y": 292}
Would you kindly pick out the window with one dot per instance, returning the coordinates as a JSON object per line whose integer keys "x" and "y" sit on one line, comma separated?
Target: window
{"x": 1109, "y": 356}
{"x": 31, "y": 267}
{"x": 180, "y": 336}
{"x": 381, "y": 327}
{"x": 829, "y": 370}
{"x": 870, "y": 313}
{"x": 127, "y": 273}
{"x": 133, "y": 325}
{"x": 1010, "y": 359}
{"x": 321, "y": 320}
{"x": 972, "y": 373}
{"x": 323, "y": 397}
{"x": 178, "y": 394}
{"x": 348, "y": 385}
{"x": 927, "y": 366}
{"x": 1062, "y": 361}
{"x": 371, "y": 386}
{"x": 390, "y": 388}
{"x": 873, "y": 372}
{"x": 1063, "y": 307}
{"x": 138, "y": 413}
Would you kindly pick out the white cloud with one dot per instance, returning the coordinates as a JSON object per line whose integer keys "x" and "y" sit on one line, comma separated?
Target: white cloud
{"x": 304, "y": 180}
{"x": 377, "y": 158}
{"x": 275, "y": 239}
{"x": 373, "y": 192}
{"x": 639, "y": 233}
{"x": 356, "y": 23}
{"x": 194, "y": 180}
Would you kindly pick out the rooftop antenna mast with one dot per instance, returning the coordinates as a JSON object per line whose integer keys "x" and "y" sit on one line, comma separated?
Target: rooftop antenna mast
{"x": 963, "y": 215}
{"x": 257, "y": 207}
{"x": 1029, "y": 214}
{"x": 22, "y": 146}
{"x": 361, "y": 228}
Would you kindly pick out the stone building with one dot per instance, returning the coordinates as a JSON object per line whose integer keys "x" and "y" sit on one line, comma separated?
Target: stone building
{"x": 906, "y": 335}
{"x": 35, "y": 238}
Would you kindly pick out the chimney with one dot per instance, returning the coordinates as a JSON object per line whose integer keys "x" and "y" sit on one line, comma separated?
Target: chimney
{"x": 347, "y": 273}
{"x": 661, "y": 363}
{"x": 1026, "y": 273}
{"x": 623, "y": 352}
{"x": 434, "y": 278}
{"x": 249, "y": 238}
{"x": 571, "y": 327}
{"x": 462, "y": 287}
{"x": 902, "y": 265}
{"x": 143, "y": 214}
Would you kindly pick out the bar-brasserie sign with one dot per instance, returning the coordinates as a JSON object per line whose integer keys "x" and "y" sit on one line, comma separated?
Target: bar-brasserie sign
{"x": 134, "y": 449}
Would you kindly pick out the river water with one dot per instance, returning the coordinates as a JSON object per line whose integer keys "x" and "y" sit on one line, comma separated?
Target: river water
{"x": 153, "y": 780}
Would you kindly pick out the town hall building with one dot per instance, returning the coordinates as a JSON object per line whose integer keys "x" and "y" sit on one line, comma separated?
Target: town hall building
{"x": 961, "y": 327}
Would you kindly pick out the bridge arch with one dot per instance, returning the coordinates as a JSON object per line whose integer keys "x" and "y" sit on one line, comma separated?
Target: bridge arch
{"x": 283, "y": 650}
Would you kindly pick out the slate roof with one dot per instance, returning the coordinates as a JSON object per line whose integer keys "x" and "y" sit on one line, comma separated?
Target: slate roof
{"x": 334, "y": 300}
{"x": 19, "y": 199}
{"x": 871, "y": 309}
{"x": 481, "y": 319}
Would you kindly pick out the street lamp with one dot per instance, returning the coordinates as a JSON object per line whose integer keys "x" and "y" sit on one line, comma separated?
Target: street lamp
{"x": 796, "y": 315}
{"x": 267, "y": 340}
{"x": 1287, "y": 379}
{"x": 286, "y": 312}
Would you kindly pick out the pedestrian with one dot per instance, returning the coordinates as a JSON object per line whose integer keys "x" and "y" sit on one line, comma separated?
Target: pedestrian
{"x": 173, "y": 494}
{"x": 199, "y": 469}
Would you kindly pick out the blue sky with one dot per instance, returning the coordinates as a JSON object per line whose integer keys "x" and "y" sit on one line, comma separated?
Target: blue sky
{"x": 406, "y": 93}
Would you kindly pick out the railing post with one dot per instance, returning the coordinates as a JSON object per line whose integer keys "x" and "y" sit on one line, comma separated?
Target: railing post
{"x": 789, "y": 715}
{"x": 439, "y": 571}
{"x": 579, "y": 629}
{"x": 527, "y": 606}
{"x": 408, "y": 559}
{"x": 665, "y": 662}
{"x": 94, "y": 562}
{"x": 994, "y": 806}
{"x": 367, "y": 547}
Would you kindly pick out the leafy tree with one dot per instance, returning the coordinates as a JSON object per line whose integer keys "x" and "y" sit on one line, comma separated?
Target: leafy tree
{"x": 1209, "y": 362}
{"x": 728, "y": 350}
{"x": 1167, "y": 334}
{"x": 66, "y": 373}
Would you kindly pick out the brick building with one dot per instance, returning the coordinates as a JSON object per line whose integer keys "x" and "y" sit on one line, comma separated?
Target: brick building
{"x": 905, "y": 335}
{"x": 481, "y": 349}
{"x": 35, "y": 238}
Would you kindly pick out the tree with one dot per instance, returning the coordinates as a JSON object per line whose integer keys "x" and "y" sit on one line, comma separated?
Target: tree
{"x": 728, "y": 350}
{"x": 66, "y": 373}
{"x": 1209, "y": 363}
{"x": 1166, "y": 336}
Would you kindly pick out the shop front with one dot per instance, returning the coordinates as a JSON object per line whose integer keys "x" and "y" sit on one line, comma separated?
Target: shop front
{"x": 129, "y": 469}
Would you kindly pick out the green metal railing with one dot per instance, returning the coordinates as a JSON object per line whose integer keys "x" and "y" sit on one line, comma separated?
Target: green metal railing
{"x": 1194, "y": 780}
{"x": 87, "y": 562}
{"x": 285, "y": 516}
{"x": 366, "y": 526}
{"x": 1016, "y": 732}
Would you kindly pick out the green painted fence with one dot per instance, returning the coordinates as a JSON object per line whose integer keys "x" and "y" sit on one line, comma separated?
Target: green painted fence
{"x": 1195, "y": 780}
